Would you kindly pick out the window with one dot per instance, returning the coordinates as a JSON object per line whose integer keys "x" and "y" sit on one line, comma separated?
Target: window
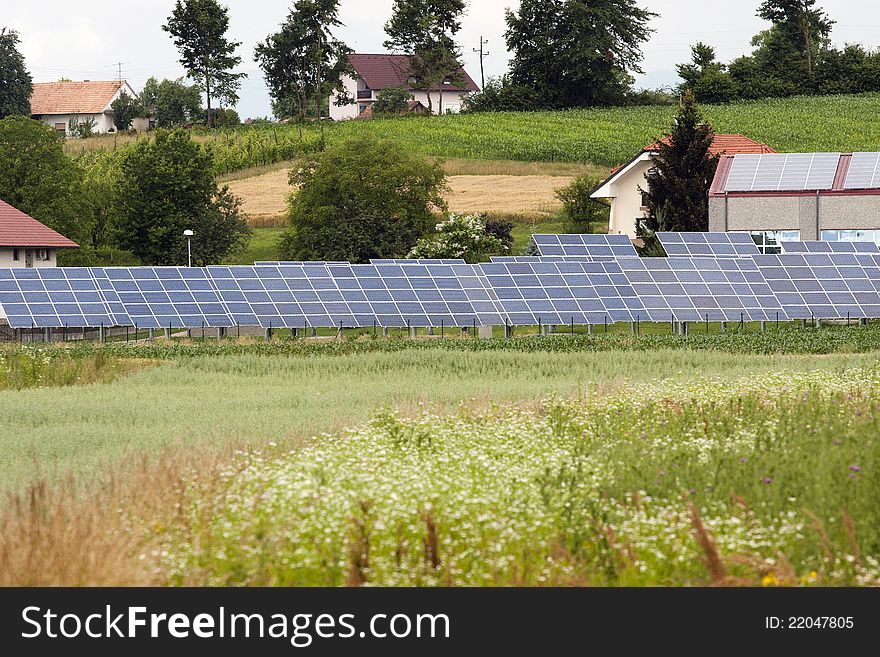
{"x": 42, "y": 254}
{"x": 362, "y": 109}
{"x": 851, "y": 236}
{"x": 768, "y": 241}
{"x": 447, "y": 81}
{"x": 15, "y": 255}
{"x": 61, "y": 127}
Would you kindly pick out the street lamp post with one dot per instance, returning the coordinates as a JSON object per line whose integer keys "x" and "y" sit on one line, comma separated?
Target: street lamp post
{"x": 189, "y": 255}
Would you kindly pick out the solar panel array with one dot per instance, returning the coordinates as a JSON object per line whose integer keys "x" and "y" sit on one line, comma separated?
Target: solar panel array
{"x": 698, "y": 289}
{"x": 826, "y": 280}
{"x": 618, "y": 246}
{"x": 562, "y": 293}
{"x": 824, "y": 285}
{"x": 717, "y": 245}
{"x": 782, "y": 172}
{"x": 52, "y": 298}
{"x": 863, "y": 172}
{"x": 829, "y": 247}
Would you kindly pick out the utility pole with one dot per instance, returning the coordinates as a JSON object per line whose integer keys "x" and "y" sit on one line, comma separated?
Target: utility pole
{"x": 483, "y": 54}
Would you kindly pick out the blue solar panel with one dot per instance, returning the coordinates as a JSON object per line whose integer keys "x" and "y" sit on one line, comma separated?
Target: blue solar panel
{"x": 715, "y": 245}
{"x": 52, "y": 298}
{"x": 168, "y": 297}
{"x": 618, "y": 246}
{"x": 700, "y": 289}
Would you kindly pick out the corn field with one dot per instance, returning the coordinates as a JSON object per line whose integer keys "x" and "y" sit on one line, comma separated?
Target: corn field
{"x": 606, "y": 136}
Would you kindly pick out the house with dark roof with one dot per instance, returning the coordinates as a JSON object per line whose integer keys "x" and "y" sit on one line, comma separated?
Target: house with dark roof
{"x": 61, "y": 104}
{"x": 373, "y": 73}
{"x": 833, "y": 197}
{"x": 25, "y": 242}
{"x": 623, "y": 186}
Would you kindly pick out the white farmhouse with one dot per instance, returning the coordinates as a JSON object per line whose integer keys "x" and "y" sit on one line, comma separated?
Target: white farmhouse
{"x": 377, "y": 72}
{"x": 57, "y": 104}
{"x": 623, "y": 187}
{"x": 25, "y": 242}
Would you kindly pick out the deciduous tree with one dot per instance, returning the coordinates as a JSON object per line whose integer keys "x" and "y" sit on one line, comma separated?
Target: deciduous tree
{"x": 167, "y": 186}
{"x": 426, "y": 29}
{"x": 362, "y": 199}
{"x": 199, "y": 30}
{"x": 15, "y": 81}
{"x": 303, "y": 62}
{"x": 577, "y": 53}
{"x": 39, "y": 179}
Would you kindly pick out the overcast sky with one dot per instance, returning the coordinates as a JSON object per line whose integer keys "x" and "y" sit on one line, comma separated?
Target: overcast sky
{"x": 60, "y": 39}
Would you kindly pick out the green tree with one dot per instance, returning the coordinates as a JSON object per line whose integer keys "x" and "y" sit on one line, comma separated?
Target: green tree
{"x": 303, "y": 63}
{"x": 39, "y": 179}
{"x": 460, "y": 236}
{"x": 362, "y": 199}
{"x": 582, "y": 213}
{"x": 706, "y": 77}
{"x": 167, "y": 186}
{"x": 426, "y": 29}
{"x": 576, "y": 53}
{"x": 502, "y": 95}
{"x": 125, "y": 110}
{"x": 394, "y": 100}
{"x": 800, "y": 25}
{"x": 199, "y": 29}
{"x": 171, "y": 103}
{"x": 15, "y": 81}
{"x": 682, "y": 172}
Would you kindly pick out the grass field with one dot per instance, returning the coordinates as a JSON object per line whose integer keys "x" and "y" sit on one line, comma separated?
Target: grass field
{"x": 605, "y": 137}
{"x": 528, "y": 461}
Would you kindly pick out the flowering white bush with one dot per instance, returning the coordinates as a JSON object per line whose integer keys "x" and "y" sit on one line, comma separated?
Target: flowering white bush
{"x": 459, "y": 236}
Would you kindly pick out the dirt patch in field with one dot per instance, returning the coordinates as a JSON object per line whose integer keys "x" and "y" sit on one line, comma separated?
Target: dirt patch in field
{"x": 265, "y": 197}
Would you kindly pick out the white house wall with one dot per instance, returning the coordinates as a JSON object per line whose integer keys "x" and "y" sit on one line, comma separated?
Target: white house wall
{"x": 7, "y": 261}
{"x": 626, "y": 202}
{"x": 452, "y": 100}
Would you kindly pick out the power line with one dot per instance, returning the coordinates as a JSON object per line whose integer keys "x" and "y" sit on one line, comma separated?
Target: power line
{"x": 483, "y": 53}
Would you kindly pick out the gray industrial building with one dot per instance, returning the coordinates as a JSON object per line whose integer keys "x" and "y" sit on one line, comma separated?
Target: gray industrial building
{"x": 797, "y": 196}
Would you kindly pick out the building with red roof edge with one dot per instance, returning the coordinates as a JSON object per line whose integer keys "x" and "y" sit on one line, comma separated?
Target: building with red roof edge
{"x": 61, "y": 105}
{"x": 375, "y": 72}
{"x": 25, "y": 242}
{"x": 622, "y": 186}
{"x": 798, "y": 197}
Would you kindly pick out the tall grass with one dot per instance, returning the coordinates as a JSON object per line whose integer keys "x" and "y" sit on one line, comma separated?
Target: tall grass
{"x": 770, "y": 480}
{"x": 49, "y": 368}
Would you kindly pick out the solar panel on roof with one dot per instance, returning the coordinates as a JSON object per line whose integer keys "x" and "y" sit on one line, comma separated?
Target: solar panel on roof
{"x": 863, "y": 172}
{"x": 829, "y": 247}
{"x": 52, "y": 298}
{"x": 584, "y": 245}
{"x": 295, "y": 263}
{"x": 782, "y": 172}
{"x": 716, "y": 245}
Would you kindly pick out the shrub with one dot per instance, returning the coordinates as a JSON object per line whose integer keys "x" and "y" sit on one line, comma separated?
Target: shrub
{"x": 460, "y": 236}
{"x": 582, "y": 213}
{"x": 362, "y": 199}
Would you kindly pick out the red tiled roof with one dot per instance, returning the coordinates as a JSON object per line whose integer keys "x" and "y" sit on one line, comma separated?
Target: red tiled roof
{"x": 387, "y": 71}
{"x": 73, "y": 97}
{"x": 725, "y": 145}
{"x": 20, "y": 230}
